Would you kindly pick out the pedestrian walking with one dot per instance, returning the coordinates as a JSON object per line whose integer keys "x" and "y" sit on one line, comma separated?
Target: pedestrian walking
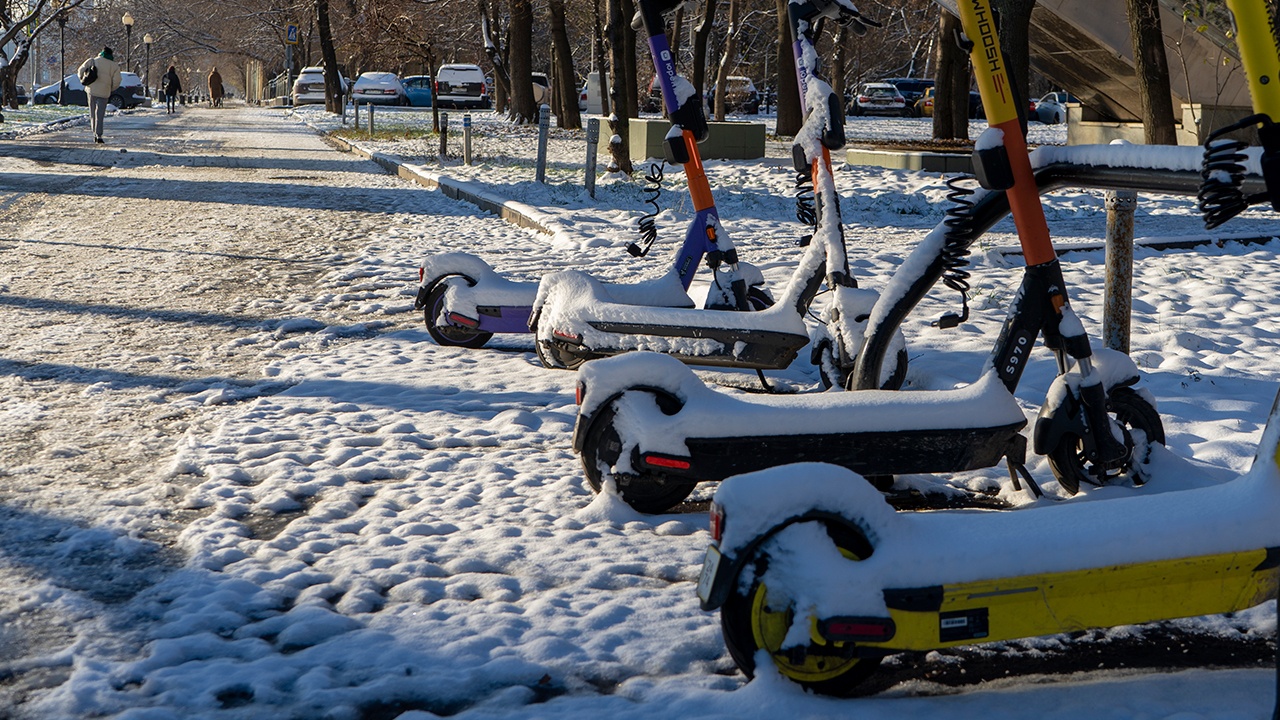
{"x": 215, "y": 88}
{"x": 170, "y": 85}
{"x": 100, "y": 76}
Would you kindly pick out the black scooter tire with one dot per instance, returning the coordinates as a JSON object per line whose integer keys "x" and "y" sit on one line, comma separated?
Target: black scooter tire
{"x": 1067, "y": 459}
{"x": 443, "y": 333}
{"x": 746, "y": 620}
{"x": 644, "y": 491}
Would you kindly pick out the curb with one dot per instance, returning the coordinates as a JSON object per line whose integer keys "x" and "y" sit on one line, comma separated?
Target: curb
{"x": 516, "y": 213}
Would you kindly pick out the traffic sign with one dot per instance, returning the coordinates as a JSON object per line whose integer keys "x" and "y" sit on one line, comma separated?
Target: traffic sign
{"x": 291, "y": 34}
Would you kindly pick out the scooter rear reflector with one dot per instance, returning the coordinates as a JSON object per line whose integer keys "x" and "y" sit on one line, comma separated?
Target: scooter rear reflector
{"x": 855, "y": 629}
{"x": 664, "y": 461}
{"x": 568, "y": 336}
{"x": 579, "y": 390}
{"x": 717, "y": 521}
{"x": 463, "y": 320}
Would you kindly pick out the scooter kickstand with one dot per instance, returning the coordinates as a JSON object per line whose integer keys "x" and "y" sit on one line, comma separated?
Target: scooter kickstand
{"x": 1016, "y": 469}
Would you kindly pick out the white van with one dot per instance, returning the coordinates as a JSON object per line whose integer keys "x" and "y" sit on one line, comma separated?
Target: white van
{"x": 461, "y": 86}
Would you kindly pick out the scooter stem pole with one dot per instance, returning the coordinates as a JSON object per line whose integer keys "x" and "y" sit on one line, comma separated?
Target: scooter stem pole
{"x": 998, "y": 99}
{"x": 1258, "y": 54}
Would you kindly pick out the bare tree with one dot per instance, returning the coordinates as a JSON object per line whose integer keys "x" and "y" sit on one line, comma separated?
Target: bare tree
{"x": 1152, "y": 66}
{"x": 951, "y": 87}
{"x": 726, "y": 59}
{"x": 566, "y": 85}
{"x": 789, "y": 117}
{"x": 333, "y": 95}
{"x": 520, "y": 43}
{"x": 701, "y": 39}
{"x": 620, "y": 145}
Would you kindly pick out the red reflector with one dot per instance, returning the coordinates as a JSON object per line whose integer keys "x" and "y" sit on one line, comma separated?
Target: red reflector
{"x": 566, "y": 336}
{"x": 578, "y": 391}
{"x": 422, "y": 274}
{"x": 717, "y": 521}
{"x": 667, "y": 462}
{"x": 463, "y": 320}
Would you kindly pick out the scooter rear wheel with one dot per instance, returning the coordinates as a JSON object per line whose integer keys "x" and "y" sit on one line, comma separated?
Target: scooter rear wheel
{"x": 751, "y": 621}
{"x": 440, "y": 330}
{"x": 1068, "y": 461}
{"x": 646, "y": 492}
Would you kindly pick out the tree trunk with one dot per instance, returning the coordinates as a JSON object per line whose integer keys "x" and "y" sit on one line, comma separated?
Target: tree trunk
{"x": 676, "y": 34}
{"x": 726, "y": 59}
{"x": 497, "y": 54}
{"x": 333, "y": 98}
{"x": 1152, "y": 66}
{"x": 620, "y": 144}
{"x": 565, "y": 85}
{"x": 702, "y": 38}
{"x": 1014, "y": 21}
{"x": 631, "y": 71}
{"x": 789, "y": 118}
{"x": 599, "y": 61}
{"x": 951, "y": 90}
{"x": 840, "y": 63}
{"x": 520, "y": 45}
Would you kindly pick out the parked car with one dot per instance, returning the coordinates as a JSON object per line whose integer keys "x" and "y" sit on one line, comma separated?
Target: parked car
{"x": 379, "y": 88}
{"x": 129, "y": 94}
{"x": 741, "y": 96}
{"x": 461, "y": 86}
{"x": 20, "y": 95}
{"x": 541, "y": 89}
{"x": 880, "y": 98}
{"x": 1052, "y": 108}
{"x": 652, "y": 101}
{"x": 418, "y": 88}
{"x": 924, "y": 106}
{"x": 912, "y": 89}
{"x": 582, "y": 98}
{"x": 308, "y": 88}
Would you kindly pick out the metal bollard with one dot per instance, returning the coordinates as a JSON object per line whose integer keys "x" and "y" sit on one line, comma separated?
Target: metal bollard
{"x": 466, "y": 138}
{"x": 593, "y": 146}
{"x": 356, "y": 122}
{"x": 369, "y": 107}
{"x": 544, "y": 123}
{"x": 1118, "y": 300}
{"x": 444, "y": 135}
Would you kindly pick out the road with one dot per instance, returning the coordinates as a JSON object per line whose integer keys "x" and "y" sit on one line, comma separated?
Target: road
{"x": 145, "y": 284}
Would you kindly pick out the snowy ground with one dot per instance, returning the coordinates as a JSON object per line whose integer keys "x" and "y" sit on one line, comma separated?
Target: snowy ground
{"x": 242, "y": 482}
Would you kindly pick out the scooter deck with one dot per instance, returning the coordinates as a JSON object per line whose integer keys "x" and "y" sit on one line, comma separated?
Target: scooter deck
{"x": 711, "y": 346}
{"x": 932, "y": 618}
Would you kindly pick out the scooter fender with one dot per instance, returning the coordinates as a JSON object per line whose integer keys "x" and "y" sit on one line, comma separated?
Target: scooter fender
{"x": 603, "y": 381}
{"x": 668, "y": 401}
{"x": 722, "y": 566}
{"x": 439, "y": 266}
{"x": 1061, "y": 411}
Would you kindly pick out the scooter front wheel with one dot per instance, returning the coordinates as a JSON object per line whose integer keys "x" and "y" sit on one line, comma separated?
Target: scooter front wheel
{"x": 645, "y": 491}
{"x": 760, "y": 618}
{"x": 440, "y": 330}
{"x": 1068, "y": 461}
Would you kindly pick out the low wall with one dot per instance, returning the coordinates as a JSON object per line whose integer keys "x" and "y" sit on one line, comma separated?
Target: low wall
{"x": 725, "y": 140}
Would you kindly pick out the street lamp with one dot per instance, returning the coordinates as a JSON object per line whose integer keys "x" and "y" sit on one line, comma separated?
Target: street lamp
{"x": 127, "y": 19}
{"x": 147, "y": 40}
{"x": 62, "y": 55}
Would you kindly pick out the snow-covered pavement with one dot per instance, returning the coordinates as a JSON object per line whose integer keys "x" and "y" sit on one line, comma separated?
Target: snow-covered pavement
{"x": 240, "y": 481}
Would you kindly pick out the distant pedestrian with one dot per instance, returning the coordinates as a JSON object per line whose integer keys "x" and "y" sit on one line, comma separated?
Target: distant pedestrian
{"x": 100, "y": 76}
{"x": 215, "y": 88}
{"x": 170, "y": 85}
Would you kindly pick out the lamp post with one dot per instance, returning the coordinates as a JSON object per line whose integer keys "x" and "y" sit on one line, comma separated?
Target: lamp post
{"x": 147, "y": 40}
{"x": 127, "y": 19}
{"x": 62, "y": 55}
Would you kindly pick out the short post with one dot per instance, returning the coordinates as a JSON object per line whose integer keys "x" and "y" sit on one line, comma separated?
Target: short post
{"x": 466, "y": 139}
{"x": 356, "y": 122}
{"x": 544, "y": 124}
{"x": 1118, "y": 300}
{"x": 593, "y": 143}
{"x": 444, "y": 135}
{"x": 369, "y": 107}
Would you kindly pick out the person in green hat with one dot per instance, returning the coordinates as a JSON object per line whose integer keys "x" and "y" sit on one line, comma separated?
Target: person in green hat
{"x": 100, "y": 76}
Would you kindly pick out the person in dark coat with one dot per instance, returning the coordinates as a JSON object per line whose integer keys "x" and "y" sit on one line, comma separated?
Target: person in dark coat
{"x": 170, "y": 85}
{"x": 215, "y": 88}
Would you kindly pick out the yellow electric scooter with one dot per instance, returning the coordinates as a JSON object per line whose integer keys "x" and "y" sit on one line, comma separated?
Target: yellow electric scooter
{"x": 814, "y": 568}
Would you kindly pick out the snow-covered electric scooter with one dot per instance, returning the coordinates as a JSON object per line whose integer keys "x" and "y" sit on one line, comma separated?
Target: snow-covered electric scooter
{"x": 465, "y": 301}
{"x": 656, "y": 430}
{"x": 808, "y": 564}
{"x": 576, "y": 321}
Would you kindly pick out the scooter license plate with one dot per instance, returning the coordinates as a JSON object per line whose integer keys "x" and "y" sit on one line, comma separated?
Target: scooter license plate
{"x": 710, "y": 565}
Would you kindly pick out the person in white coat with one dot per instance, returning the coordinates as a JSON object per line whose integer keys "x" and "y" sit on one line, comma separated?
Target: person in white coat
{"x": 106, "y": 80}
